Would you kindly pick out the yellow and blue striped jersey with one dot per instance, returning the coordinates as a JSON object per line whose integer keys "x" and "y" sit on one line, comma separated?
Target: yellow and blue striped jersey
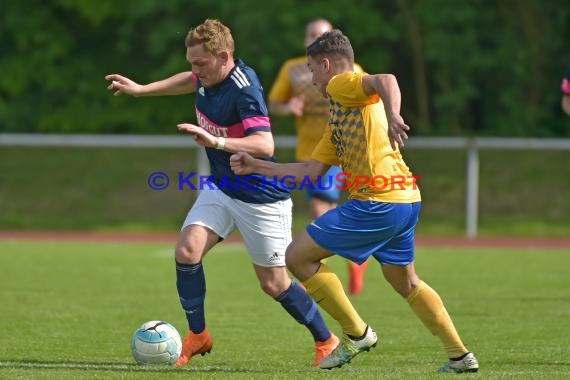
{"x": 356, "y": 139}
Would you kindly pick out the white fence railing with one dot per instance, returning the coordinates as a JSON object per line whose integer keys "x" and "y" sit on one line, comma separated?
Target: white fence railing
{"x": 472, "y": 145}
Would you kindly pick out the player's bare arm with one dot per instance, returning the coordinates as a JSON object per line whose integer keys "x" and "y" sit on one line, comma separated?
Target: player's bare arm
{"x": 177, "y": 84}
{"x": 387, "y": 87}
{"x": 243, "y": 163}
{"x": 258, "y": 144}
{"x": 294, "y": 106}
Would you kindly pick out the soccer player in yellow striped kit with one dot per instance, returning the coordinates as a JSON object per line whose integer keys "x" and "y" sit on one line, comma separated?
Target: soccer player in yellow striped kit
{"x": 293, "y": 93}
{"x": 363, "y": 137}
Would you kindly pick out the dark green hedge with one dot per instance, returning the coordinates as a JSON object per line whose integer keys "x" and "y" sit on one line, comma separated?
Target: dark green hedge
{"x": 473, "y": 67}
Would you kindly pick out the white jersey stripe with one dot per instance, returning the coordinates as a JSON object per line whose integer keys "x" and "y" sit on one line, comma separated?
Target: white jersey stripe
{"x": 242, "y": 75}
{"x": 237, "y": 81}
{"x": 242, "y": 78}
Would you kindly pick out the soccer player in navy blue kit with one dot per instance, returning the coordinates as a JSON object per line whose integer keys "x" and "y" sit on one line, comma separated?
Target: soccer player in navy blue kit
{"x": 232, "y": 117}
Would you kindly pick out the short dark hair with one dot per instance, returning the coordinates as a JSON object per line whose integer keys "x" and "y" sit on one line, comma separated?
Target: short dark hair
{"x": 333, "y": 43}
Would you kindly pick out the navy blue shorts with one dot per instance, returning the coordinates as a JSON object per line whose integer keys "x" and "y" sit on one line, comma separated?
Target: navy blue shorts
{"x": 357, "y": 230}
{"x": 327, "y": 187}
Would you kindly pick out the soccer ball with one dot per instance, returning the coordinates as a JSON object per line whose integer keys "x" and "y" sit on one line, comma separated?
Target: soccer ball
{"x": 156, "y": 342}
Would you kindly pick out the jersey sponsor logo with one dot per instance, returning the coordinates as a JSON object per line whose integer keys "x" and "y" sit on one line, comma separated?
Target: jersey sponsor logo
{"x": 210, "y": 127}
{"x": 336, "y": 138}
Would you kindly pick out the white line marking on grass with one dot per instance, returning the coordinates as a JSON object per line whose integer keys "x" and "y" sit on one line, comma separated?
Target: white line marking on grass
{"x": 114, "y": 367}
{"x": 39, "y": 365}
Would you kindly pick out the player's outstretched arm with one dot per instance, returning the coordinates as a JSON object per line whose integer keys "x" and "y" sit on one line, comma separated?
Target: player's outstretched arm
{"x": 243, "y": 164}
{"x": 387, "y": 87}
{"x": 178, "y": 84}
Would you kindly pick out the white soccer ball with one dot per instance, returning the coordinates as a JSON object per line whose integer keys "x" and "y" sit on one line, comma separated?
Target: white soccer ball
{"x": 156, "y": 342}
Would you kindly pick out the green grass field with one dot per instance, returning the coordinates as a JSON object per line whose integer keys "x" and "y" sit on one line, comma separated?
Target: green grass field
{"x": 69, "y": 310}
{"x": 522, "y": 193}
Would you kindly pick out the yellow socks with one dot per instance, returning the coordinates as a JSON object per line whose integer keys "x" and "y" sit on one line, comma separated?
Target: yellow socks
{"x": 427, "y": 305}
{"x": 326, "y": 289}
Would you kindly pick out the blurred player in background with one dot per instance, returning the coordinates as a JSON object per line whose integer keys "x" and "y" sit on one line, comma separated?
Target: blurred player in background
{"x": 364, "y": 134}
{"x": 565, "y": 87}
{"x": 232, "y": 117}
{"x": 293, "y": 94}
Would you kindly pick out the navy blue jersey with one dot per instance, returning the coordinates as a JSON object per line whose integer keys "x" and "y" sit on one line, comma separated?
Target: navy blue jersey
{"x": 236, "y": 108}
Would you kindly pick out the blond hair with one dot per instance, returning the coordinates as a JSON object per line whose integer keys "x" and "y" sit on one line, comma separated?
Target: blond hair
{"x": 213, "y": 34}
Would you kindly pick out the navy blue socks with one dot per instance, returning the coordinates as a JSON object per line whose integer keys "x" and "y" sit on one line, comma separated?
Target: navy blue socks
{"x": 191, "y": 285}
{"x": 305, "y": 311}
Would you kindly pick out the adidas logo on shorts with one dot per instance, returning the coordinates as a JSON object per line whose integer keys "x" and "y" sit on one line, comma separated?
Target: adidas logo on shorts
{"x": 274, "y": 257}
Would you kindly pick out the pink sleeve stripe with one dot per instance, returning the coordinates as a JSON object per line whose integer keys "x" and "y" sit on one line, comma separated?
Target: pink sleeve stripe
{"x": 194, "y": 78}
{"x": 565, "y": 87}
{"x": 258, "y": 121}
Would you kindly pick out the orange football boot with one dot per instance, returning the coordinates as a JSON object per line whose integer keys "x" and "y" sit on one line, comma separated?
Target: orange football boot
{"x": 323, "y": 349}
{"x": 194, "y": 344}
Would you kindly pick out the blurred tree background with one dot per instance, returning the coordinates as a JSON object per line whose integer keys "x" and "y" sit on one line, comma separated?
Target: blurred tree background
{"x": 466, "y": 68}
{"x": 472, "y": 67}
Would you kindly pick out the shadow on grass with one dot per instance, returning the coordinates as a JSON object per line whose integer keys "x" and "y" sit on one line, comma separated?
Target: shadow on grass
{"x": 112, "y": 366}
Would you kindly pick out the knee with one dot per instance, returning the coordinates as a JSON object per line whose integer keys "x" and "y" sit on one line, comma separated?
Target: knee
{"x": 184, "y": 254}
{"x": 271, "y": 288}
{"x": 404, "y": 291}
{"x": 405, "y": 288}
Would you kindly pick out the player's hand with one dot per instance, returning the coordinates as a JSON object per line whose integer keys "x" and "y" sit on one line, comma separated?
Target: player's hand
{"x": 123, "y": 85}
{"x": 296, "y": 105}
{"x": 397, "y": 131}
{"x": 199, "y": 134}
{"x": 242, "y": 163}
